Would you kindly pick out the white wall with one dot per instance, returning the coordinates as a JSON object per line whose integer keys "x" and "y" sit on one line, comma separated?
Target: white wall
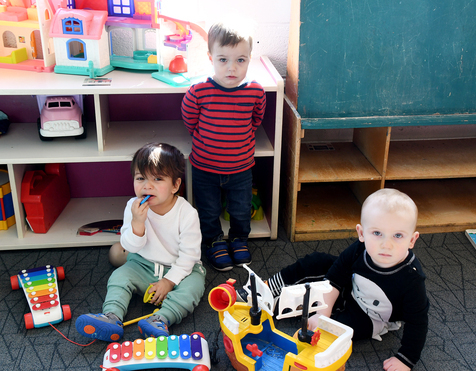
{"x": 269, "y": 19}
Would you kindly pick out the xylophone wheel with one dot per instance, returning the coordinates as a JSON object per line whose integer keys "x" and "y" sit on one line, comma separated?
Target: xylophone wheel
{"x": 110, "y": 369}
{"x": 14, "y": 282}
{"x": 66, "y": 312}
{"x": 198, "y": 333}
{"x": 60, "y": 273}
{"x": 29, "y": 324}
{"x": 200, "y": 368}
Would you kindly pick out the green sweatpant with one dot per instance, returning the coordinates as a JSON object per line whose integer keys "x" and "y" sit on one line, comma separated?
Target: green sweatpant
{"x": 135, "y": 276}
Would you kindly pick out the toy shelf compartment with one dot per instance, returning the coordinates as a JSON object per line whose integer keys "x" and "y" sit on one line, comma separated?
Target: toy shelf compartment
{"x": 332, "y": 210}
{"x": 113, "y": 137}
{"x": 63, "y": 233}
{"x": 332, "y": 170}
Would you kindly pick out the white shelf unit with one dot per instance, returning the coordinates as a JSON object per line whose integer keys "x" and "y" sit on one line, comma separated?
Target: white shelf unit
{"x": 116, "y": 141}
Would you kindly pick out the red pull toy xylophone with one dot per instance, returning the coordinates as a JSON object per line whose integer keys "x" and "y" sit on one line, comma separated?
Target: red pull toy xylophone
{"x": 41, "y": 291}
{"x": 184, "y": 352}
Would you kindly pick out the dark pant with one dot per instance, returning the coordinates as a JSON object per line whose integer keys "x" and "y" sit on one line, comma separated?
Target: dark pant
{"x": 313, "y": 267}
{"x": 207, "y": 190}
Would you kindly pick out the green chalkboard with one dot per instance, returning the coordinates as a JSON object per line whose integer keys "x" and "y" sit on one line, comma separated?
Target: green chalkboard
{"x": 386, "y": 58}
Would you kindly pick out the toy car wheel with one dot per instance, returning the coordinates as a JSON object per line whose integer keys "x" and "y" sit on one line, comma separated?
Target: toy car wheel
{"x": 29, "y": 324}
{"x": 60, "y": 273}
{"x": 200, "y": 368}
{"x": 14, "y": 282}
{"x": 84, "y": 134}
{"x": 66, "y": 312}
{"x": 43, "y": 138}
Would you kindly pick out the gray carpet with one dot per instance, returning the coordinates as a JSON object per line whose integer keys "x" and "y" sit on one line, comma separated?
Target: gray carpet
{"x": 449, "y": 261}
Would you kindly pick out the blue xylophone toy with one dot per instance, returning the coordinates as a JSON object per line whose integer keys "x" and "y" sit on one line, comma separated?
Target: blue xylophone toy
{"x": 176, "y": 351}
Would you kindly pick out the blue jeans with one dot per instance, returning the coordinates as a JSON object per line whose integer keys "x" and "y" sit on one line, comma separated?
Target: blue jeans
{"x": 207, "y": 188}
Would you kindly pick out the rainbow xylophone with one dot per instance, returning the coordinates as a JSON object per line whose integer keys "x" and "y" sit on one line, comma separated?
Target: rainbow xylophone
{"x": 176, "y": 351}
{"x": 41, "y": 291}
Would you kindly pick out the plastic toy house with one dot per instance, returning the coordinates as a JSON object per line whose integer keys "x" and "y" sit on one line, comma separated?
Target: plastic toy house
{"x": 81, "y": 42}
{"x": 7, "y": 217}
{"x": 24, "y": 28}
{"x": 92, "y": 37}
{"x": 177, "y": 40}
{"x": 98, "y": 36}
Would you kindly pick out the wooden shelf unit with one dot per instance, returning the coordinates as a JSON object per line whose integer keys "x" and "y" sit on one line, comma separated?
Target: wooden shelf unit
{"x": 113, "y": 140}
{"x": 377, "y": 92}
{"x": 326, "y": 187}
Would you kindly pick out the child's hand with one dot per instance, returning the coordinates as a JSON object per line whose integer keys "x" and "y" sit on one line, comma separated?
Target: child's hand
{"x": 139, "y": 212}
{"x": 394, "y": 364}
{"x": 312, "y": 322}
{"x": 139, "y": 216}
{"x": 161, "y": 288}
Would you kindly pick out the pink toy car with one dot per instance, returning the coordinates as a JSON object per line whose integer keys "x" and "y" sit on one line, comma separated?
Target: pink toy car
{"x": 61, "y": 117}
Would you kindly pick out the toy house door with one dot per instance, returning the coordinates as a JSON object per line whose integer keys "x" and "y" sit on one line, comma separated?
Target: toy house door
{"x": 35, "y": 43}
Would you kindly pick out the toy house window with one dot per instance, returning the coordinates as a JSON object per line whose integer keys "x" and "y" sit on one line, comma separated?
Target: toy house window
{"x": 76, "y": 50}
{"x": 9, "y": 39}
{"x": 72, "y": 26}
{"x": 123, "y": 8}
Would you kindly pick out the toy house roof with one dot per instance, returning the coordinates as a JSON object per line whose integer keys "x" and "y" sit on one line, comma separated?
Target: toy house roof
{"x": 93, "y": 22}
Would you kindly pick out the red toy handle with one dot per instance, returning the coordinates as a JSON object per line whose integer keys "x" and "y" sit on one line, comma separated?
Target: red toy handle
{"x": 315, "y": 338}
{"x": 253, "y": 348}
{"x": 35, "y": 180}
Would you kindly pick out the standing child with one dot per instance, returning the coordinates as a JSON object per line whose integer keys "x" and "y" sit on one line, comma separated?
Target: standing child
{"x": 222, "y": 115}
{"x": 160, "y": 245}
{"x": 376, "y": 282}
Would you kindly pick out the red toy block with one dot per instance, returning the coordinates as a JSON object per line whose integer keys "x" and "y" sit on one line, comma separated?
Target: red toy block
{"x": 45, "y": 194}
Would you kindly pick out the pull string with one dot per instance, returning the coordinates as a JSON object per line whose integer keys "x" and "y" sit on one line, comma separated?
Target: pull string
{"x": 71, "y": 341}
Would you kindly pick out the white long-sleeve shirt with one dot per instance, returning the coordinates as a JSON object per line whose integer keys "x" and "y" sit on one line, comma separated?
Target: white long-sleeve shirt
{"x": 172, "y": 239}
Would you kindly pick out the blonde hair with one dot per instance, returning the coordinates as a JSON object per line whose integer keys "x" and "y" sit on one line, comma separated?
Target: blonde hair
{"x": 227, "y": 35}
{"x": 391, "y": 200}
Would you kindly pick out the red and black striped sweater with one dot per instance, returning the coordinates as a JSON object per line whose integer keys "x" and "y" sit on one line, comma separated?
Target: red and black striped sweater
{"x": 223, "y": 123}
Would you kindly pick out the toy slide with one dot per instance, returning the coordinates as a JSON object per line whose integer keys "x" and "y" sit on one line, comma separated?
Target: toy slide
{"x": 41, "y": 291}
{"x": 183, "y": 352}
